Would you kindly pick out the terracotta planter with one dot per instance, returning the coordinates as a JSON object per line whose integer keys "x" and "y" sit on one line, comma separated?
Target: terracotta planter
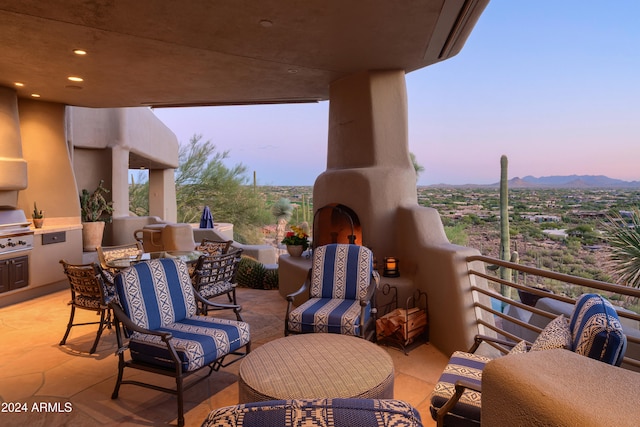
{"x": 295, "y": 250}
{"x": 92, "y": 235}
{"x": 38, "y": 222}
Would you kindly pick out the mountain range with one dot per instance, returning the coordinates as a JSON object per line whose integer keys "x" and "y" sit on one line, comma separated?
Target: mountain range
{"x": 556, "y": 181}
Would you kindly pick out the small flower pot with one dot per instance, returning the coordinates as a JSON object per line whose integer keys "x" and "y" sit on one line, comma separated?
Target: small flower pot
{"x": 38, "y": 222}
{"x": 295, "y": 250}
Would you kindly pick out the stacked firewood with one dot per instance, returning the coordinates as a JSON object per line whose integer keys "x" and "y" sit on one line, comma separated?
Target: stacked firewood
{"x": 402, "y": 324}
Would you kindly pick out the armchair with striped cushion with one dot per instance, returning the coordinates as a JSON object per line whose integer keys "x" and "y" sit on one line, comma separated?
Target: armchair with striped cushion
{"x": 157, "y": 323}
{"x": 341, "y": 285}
{"x": 594, "y": 331}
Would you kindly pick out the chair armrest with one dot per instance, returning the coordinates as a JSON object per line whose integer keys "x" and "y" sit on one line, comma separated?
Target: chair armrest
{"x": 219, "y": 306}
{"x": 302, "y": 289}
{"x": 460, "y": 387}
{"x": 122, "y": 317}
{"x": 373, "y": 285}
{"x": 478, "y": 339}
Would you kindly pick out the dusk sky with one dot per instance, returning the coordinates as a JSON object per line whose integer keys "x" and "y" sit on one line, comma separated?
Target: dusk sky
{"x": 554, "y": 85}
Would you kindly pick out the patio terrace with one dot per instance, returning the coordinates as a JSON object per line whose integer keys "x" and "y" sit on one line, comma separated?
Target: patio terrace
{"x": 78, "y": 386}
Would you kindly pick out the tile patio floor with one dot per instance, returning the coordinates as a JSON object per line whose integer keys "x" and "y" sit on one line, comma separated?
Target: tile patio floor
{"x": 77, "y": 386}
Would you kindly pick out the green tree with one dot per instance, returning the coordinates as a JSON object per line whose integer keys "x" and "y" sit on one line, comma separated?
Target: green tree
{"x": 623, "y": 235}
{"x": 416, "y": 166}
{"x": 282, "y": 209}
{"x": 457, "y": 234}
{"x": 139, "y": 195}
{"x": 202, "y": 179}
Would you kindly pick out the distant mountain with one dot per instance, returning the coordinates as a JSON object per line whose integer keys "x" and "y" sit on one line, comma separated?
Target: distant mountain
{"x": 580, "y": 181}
{"x": 568, "y": 181}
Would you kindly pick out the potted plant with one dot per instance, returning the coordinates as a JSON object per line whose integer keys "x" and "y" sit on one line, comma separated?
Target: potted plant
{"x": 38, "y": 216}
{"x": 297, "y": 241}
{"x": 95, "y": 210}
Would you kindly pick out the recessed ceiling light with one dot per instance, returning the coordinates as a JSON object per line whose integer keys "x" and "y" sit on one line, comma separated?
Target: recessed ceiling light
{"x": 75, "y": 79}
{"x": 266, "y": 23}
{"x": 35, "y": 95}
{"x": 19, "y": 84}
{"x": 80, "y": 52}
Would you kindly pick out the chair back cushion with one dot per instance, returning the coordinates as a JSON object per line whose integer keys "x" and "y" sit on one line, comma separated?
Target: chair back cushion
{"x": 212, "y": 269}
{"x": 214, "y": 247}
{"x": 156, "y": 293}
{"x": 88, "y": 289}
{"x": 596, "y": 331}
{"x": 341, "y": 271}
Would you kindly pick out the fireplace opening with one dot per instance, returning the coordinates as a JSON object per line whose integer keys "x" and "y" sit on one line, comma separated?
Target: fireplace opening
{"x": 336, "y": 223}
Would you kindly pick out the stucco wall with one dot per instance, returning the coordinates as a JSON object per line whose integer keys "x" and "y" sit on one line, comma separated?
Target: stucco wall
{"x": 558, "y": 388}
{"x": 50, "y": 176}
{"x": 440, "y": 269}
{"x": 13, "y": 167}
{"x": 137, "y": 130}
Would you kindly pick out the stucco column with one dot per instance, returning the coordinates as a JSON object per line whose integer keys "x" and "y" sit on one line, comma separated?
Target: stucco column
{"x": 13, "y": 168}
{"x": 162, "y": 194}
{"x": 120, "y": 180}
{"x": 368, "y": 164}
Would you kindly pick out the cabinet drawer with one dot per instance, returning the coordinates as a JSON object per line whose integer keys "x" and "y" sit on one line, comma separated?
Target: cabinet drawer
{"x": 49, "y": 238}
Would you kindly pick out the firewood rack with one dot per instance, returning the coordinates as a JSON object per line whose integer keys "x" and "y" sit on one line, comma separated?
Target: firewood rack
{"x": 406, "y": 327}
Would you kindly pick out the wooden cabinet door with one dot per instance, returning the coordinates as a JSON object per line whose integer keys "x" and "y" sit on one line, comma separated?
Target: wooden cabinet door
{"x": 14, "y": 273}
{"x": 4, "y": 275}
{"x": 19, "y": 272}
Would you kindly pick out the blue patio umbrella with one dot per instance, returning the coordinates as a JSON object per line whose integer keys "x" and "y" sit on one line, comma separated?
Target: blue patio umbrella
{"x": 206, "y": 220}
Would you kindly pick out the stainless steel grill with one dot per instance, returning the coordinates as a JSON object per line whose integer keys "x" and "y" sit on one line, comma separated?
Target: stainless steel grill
{"x": 15, "y": 233}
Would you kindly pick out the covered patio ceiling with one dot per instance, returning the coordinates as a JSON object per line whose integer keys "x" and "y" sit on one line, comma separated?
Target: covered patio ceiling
{"x": 214, "y": 52}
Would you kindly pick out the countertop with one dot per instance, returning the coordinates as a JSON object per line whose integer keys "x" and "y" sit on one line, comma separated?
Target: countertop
{"x": 53, "y": 225}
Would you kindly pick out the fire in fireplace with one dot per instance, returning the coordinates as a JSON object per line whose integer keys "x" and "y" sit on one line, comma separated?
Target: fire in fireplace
{"x": 336, "y": 223}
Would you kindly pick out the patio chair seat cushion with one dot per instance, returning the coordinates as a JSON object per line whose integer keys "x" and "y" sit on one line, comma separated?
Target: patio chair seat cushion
{"x": 198, "y": 340}
{"x": 147, "y": 292}
{"x": 596, "y": 330}
{"x": 317, "y": 412}
{"x": 461, "y": 366}
{"x": 339, "y": 316}
{"x": 89, "y": 302}
{"x": 208, "y": 290}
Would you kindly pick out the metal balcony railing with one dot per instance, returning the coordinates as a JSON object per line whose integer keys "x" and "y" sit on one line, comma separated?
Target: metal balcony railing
{"x": 612, "y": 291}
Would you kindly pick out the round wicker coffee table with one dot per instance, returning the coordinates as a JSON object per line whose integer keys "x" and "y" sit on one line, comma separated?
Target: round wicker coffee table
{"x": 313, "y": 366}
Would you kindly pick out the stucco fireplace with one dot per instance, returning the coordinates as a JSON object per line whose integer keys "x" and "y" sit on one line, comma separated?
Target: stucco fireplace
{"x": 336, "y": 223}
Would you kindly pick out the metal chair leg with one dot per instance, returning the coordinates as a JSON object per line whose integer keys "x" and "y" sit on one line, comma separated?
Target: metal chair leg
{"x": 101, "y": 326}
{"x": 66, "y": 334}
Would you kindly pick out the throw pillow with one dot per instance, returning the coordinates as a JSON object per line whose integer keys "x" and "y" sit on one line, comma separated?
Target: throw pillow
{"x": 555, "y": 335}
{"x": 519, "y": 348}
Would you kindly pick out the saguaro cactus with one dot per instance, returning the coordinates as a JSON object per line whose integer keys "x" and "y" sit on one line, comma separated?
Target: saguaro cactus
{"x": 505, "y": 241}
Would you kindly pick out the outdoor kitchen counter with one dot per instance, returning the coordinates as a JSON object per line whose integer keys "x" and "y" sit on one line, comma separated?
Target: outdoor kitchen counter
{"x": 53, "y": 225}
{"x": 58, "y": 239}
{"x": 52, "y": 243}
